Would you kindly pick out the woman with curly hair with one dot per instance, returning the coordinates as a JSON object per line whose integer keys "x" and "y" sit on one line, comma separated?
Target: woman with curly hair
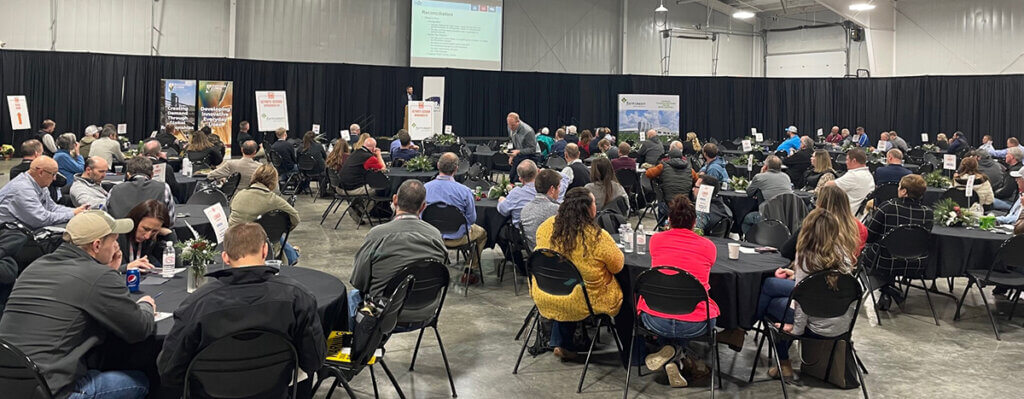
{"x": 574, "y": 233}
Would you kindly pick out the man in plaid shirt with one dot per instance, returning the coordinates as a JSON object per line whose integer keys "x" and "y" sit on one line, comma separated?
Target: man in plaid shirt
{"x": 904, "y": 210}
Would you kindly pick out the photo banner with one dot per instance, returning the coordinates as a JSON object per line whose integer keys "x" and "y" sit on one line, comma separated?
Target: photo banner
{"x": 639, "y": 113}
{"x": 215, "y": 100}
{"x": 178, "y": 105}
{"x": 271, "y": 110}
{"x": 433, "y": 90}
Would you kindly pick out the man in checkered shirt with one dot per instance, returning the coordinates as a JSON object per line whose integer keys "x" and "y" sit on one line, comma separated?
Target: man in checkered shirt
{"x": 904, "y": 210}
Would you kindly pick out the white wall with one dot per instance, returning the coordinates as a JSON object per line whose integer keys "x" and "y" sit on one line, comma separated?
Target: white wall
{"x": 818, "y": 52}
{"x": 575, "y": 36}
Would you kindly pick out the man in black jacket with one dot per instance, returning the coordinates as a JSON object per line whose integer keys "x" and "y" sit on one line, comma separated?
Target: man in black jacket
{"x": 246, "y": 288}
{"x": 798, "y": 163}
{"x": 151, "y": 149}
{"x": 30, "y": 150}
{"x": 651, "y": 150}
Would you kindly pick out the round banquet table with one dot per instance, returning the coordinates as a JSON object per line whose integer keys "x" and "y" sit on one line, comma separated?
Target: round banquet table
{"x": 400, "y": 174}
{"x": 488, "y": 217}
{"x": 182, "y": 191}
{"x": 193, "y": 215}
{"x": 956, "y": 249}
{"x": 484, "y": 158}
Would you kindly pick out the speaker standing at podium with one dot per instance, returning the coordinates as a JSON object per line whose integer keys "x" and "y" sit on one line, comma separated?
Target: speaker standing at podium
{"x": 409, "y": 96}
{"x": 524, "y": 144}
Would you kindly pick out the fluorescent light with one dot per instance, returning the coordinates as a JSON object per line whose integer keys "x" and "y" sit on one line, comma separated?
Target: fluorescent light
{"x": 661, "y": 7}
{"x": 861, "y": 7}
{"x": 743, "y": 15}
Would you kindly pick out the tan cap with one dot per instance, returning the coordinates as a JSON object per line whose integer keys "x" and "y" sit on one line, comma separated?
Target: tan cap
{"x": 90, "y": 226}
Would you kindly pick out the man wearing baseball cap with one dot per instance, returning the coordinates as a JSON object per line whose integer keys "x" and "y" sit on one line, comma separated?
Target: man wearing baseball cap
{"x": 71, "y": 301}
{"x": 792, "y": 143}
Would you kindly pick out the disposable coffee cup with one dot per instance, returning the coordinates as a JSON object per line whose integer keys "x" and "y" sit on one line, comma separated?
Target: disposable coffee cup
{"x": 734, "y": 250}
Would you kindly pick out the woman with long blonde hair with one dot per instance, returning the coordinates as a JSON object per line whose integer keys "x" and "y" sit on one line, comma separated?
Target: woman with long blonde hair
{"x": 853, "y": 234}
{"x": 694, "y": 147}
{"x": 359, "y": 143}
{"x": 821, "y": 171}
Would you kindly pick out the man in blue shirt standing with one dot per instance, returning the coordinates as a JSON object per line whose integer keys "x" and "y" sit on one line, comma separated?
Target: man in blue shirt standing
{"x": 445, "y": 189}
{"x": 792, "y": 143}
{"x": 518, "y": 197}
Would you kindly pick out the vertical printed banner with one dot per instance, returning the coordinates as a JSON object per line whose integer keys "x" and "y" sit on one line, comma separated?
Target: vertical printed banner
{"x": 421, "y": 119}
{"x": 17, "y": 106}
{"x": 215, "y": 101}
{"x": 639, "y": 113}
{"x": 178, "y": 106}
{"x": 433, "y": 90}
{"x": 271, "y": 110}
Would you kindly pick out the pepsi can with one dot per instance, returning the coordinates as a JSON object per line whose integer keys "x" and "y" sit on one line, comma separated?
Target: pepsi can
{"x": 132, "y": 277}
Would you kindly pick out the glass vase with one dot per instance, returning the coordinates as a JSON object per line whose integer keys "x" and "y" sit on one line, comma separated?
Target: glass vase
{"x": 196, "y": 277}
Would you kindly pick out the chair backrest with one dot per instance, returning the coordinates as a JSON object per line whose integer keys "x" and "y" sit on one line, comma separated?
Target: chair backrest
{"x": 627, "y": 178}
{"x": 241, "y": 365}
{"x": 618, "y": 205}
{"x": 557, "y": 163}
{"x": 446, "y": 218}
{"x": 770, "y": 232}
{"x": 499, "y": 161}
{"x": 364, "y": 346}
{"x": 669, "y": 290}
{"x": 19, "y": 375}
{"x": 276, "y": 224}
{"x": 483, "y": 185}
{"x": 886, "y": 192}
{"x": 231, "y": 185}
{"x": 208, "y": 196}
{"x": 907, "y": 242}
{"x": 925, "y": 168}
{"x": 275, "y": 158}
{"x": 377, "y": 180}
{"x": 556, "y": 275}
{"x": 818, "y": 299}
{"x": 428, "y": 291}
{"x": 543, "y": 146}
{"x": 306, "y": 162}
{"x": 477, "y": 171}
{"x": 720, "y": 228}
{"x": 333, "y": 177}
{"x": 959, "y": 196}
{"x": 1010, "y": 254}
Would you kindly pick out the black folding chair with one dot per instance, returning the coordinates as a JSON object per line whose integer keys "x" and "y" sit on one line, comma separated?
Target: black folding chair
{"x": 20, "y": 376}
{"x": 342, "y": 196}
{"x": 907, "y": 246}
{"x": 818, "y": 299}
{"x": 628, "y": 179}
{"x": 244, "y": 364}
{"x": 449, "y": 219}
{"x": 959, "y": 196}
{"x": 363, "y": 348}
{"x": 380, "y": 186}
{"x": 230, "y": 185}
{"x": 278, "y": 225}
{"x": 208, "y": 196}
{"x": 310, "y": 171}
{"x": 499, "y": 162}
{"x": 675, "y": 293}
{"x": 422, "y": 307}
{"x": 885, "y": 192}
{"x": 769, "y": 232}
{"x": 1005, "y": 271}
{"x": 722, "y": 228}
{"x": 519, "y": 252}
{"x": 555, "y": 275}
{"x": 556, "y": 162}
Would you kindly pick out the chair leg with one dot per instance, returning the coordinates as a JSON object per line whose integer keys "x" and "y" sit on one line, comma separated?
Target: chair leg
{"x": 863, "y": 385}
{"x": 757, "y": 355}
{"x": 991, "y": 318}
{"x": 629, "y": 366}
{"x": 417, "y": 350}
{"x": 778, "y": 362}
{"x": 373, "y": 377}
{"x": 949, "y": 281}
{"x": 526, "y": 321}
{"x": 614, "y": 333}
{"x": 515, "y": 279}
{"x": 714, "y": 363}
{"x": 391, "y": 377}
{"x": 447, "y": 368}
{"x": 929, "y": 297}
{"x": 586, "y": 364}
{"x": 344, "y": 384}
{"x": 525, "y": 341}
{"x": 859, "y": 362}
{"x": 959, "y": 305}
{"x": 1016, "y": 298}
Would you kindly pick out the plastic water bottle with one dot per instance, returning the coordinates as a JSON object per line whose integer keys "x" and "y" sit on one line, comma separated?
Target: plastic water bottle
{"x": 168, "y": 261}
{"x": 641, "y": 240}
{"x": 627, "y": 240}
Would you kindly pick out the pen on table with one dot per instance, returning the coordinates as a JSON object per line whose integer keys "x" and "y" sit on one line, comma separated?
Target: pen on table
{"x": 157, "y": 295}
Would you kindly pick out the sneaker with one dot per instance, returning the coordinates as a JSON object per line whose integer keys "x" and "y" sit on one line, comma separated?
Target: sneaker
{"x": 657, "y": 360}
{"x": 675, "y": 378}
{"x": 564, "y": 354}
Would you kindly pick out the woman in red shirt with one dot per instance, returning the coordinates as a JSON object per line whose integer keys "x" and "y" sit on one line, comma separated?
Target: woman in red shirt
{"x": 682, "y": 248}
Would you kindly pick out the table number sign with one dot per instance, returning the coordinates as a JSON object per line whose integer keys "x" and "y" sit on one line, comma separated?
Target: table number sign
{"x": 219, "y": 221}
{"x": 704, "y": 198}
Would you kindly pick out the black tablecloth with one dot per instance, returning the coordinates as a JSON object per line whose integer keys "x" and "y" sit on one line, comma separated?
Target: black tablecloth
{"x": 182, "y": 191}
{"x": 400, "y": 174}
{"x": 484, "y": 158}
{"x": 193, "y": 214}
{"x": 931, "y": 196}
{"x": 487, "y": 216}
{"x": 956, "y": 249}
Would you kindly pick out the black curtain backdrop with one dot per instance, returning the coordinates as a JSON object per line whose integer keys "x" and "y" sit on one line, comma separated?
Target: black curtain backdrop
{"x": 78, "y": 89}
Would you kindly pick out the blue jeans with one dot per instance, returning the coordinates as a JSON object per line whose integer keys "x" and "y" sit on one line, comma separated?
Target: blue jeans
{"x": 97, "y": 384}
{"x": 561, "y": 334}
{"x": 1001, "y": 205}
{"x": 774, "y": 301}
{"x": 289, "y": 252}
{"x": 355, "y": 298}
{"x": 674, "y": 332}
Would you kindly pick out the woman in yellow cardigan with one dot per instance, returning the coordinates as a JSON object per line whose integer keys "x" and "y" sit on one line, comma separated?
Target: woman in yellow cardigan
{"x": 574, "y": 233}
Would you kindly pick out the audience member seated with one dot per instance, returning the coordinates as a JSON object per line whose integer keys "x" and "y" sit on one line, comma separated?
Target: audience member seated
{"x": 675, "y": 176}
{"x": 26, "y": 200}
{"x": 834, "y": 136}
{"x": 361, "y": 137}
{"x": 958, "y": 143}
{"x": 898, "y": 142}
{"x": 513, "y": 203}
{"x": 270, "y": 302}
{"x": 714, "y": 165}
{"x": 243, "y": 133}
{"x": 594, "y": 145}
{"x": 798, "y": 163}
{"x": 765, "y": 186}
{"x": 66, "y": 304}
{"x": 314, "y": 149}
{"x": 1006, "y": 196}
{"x": 1011, "y": 143}
{"x": 338, "y": 155}
{"x": 623, "y": 161}
{"x": 604, "y": 185}
{"x": 390, "y": 247}
{"x": 544, "y": 136}
{"x": 833, "y": 200}
{"x": 859, "y": 139}
{"x": 353, "y": 172}
{"x": 994, "y": 171}
{"x": 88, "y": 186}
{"x": 884, "y": 145}
{"x": 85, "y": 144}
{"x": 202, "y": 153}
{"x": 258, "y": 199}
{"x": 792, "y": 142}
{"x": 215, "y": 140}
{"x": 138, "y": 187}
{"x": 651, "y": 150}
{"x": 821, "y": 172}
{"x": 30, "y": 150}
{"x": 558, "y": 147}
{"x": 719, "y": 210}
{"x": 143, "y": 246}
{"x": 969, "y": 167}
{"x": 682, "y": 248}
{"x": 820, "y": 247}
{"x": 69, "y": 162}
{"x": 285, "y": 152}
{"x": 858, "y": 182}
{"x": 168, "y": 139}
{"x": 606, "y": 148}
{"x": 1014, "y": 212}
{"x": 578, "y": 173}
{"x": 550, "y": 186}
{"x": 893, "y": 170}
{"x": 692, "y": 145}
{"x": 584, "y": 143}
{"x": 406, "y": 149}
{"x": 906, "y": 209}
{"x": 244, "y": 166}
{"x": 941, "y": 142}
{"x": 574, "y": 233}
{"x": 107, "y": 146}
{"x": 446, "y": 190}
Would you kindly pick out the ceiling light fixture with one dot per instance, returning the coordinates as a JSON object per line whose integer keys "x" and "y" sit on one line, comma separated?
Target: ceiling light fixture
{"x": 743, "y": 15}
{"x": 661, "y": 7}
{"x": 861, "y": 7}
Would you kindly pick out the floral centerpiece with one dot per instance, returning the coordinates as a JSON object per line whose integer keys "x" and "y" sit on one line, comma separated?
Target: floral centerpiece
{"x": 847, "y": 146}
{"x": 949, "y": 213}
{"x": 444, "y": 139}
{"x": 419, "y": 163}
{"x": 499, "y": 190}
{"x": 198, "y": 253}
{"x": 876, "y": 157}
{"x": 7, "y": 151}
{"x": 937, "y": 179}
{"x": 739, "y": 183}
{"x": 930, "y": 147}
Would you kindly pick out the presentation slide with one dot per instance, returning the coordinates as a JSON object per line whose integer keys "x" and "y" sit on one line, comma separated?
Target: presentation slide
{"x": 456, "y": 34}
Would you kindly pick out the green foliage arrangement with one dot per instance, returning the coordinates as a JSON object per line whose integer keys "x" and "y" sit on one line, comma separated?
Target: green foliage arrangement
{"x": 937, "y": 179}
{"x": 419, "y": 163}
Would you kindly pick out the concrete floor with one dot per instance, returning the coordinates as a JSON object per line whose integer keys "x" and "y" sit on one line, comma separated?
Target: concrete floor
{"x": 908, "y": 356}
